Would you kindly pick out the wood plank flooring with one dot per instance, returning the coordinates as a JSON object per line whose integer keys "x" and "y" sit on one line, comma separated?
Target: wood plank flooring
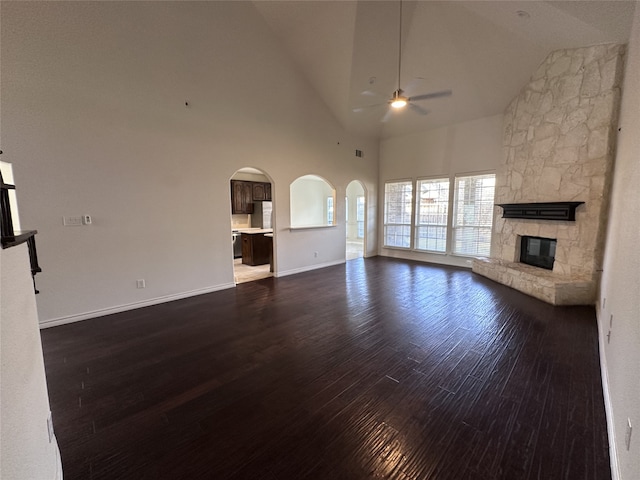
{"x": 379, "y": 368}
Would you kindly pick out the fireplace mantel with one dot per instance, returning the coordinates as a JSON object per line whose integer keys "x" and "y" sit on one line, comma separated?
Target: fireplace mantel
{"x": 541, "y": 211}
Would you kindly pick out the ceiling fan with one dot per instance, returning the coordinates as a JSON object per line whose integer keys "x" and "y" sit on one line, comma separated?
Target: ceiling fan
{"x": 398, "y": 99}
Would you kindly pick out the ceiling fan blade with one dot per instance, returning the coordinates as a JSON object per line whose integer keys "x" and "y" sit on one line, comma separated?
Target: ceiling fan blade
{"x": 365, "y": 107}
{"x": 418, "y": 109}
{"x": 411, "y": 86}
{"x": 427, "y": 96}
{"x": 387, "y": 116}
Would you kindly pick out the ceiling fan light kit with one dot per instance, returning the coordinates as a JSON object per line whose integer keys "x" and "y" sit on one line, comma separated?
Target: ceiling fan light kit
{"x": 398, "y": 100}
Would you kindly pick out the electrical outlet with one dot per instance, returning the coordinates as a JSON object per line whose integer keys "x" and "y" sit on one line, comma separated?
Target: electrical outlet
{"x": 140, "y": 283}
{"x": 50, "y": 427}
{"x": 72, "y": 221}
{"x": 86, "y": 219}
{"x": 627, "y": 437}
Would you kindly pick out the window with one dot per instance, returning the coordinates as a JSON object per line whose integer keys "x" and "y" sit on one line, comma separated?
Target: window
{"x": 432, "y": 215}
{"x": 329, "y": 210}
{"x": 398, "y": 199}
{"x": 360, "y": 215}
{"x": 473, "y": 214}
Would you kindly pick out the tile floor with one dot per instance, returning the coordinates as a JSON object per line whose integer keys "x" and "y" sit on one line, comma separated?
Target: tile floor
{"x": 246, "y": 273}
{"x": 355, "y": 249}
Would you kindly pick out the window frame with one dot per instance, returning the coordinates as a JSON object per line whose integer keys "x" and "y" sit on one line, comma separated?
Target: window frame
{"x": 330, "y": 204}
{"x": 446, "y": 225}
{"x": 454, "y": 212}
{"x": 360, "y": 215}
{"x": 386, "y": 224}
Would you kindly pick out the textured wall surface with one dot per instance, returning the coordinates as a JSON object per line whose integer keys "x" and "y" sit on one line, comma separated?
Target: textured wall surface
{"x": 559, "y": 144}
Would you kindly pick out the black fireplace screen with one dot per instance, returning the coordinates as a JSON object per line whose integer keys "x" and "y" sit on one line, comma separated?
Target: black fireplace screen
{"x": 537, "y": 251}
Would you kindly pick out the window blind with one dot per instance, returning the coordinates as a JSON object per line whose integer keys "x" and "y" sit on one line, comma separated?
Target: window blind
{"x": 473, "y": 214}
{"x": 398, "y": 200}
{"x": 432, "y": 214}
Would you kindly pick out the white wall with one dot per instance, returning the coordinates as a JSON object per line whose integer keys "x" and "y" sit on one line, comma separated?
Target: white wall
{"x": 25, "y": 451}
{"x": 620, "y": 284}
{"x": 95, "y": 122}
{"x": 468, "y": 147}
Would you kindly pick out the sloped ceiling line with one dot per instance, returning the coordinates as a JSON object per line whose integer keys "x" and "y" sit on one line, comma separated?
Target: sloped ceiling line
{"x": 484, "y": 51}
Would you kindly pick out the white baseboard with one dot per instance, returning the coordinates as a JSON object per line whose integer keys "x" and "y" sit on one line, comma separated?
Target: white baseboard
{"x": 613, "y": 452}
{"x": 54, "y": 322}
{"x": 308, "y": 268}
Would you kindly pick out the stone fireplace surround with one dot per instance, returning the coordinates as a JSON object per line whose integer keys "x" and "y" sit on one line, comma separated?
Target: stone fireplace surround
{"x": 559, "y": 143}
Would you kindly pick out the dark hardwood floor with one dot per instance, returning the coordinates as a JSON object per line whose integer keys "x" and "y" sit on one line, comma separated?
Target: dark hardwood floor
{"x": 375, "y": 369}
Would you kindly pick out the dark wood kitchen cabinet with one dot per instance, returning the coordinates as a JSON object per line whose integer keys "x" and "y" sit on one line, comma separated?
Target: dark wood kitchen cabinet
{"x": 258, "y": 191}
{"x": 241, "y": 196}
{"x": 261, "y": 192}
{"x": 256, "y": 249}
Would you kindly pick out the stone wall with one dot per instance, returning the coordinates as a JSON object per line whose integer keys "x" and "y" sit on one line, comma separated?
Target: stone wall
{"x": 559, "y": 143}
{"x": 559, "y": 140}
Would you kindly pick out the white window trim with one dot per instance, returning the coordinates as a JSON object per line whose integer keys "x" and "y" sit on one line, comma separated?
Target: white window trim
{"x": 452, "y": 199}
{"x": 450, "y": 214}
{"x": 412, "y": 222}
{"x": 415, "y": 226}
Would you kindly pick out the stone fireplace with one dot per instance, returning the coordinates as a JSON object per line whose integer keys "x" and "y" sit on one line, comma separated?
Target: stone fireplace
{"x": 559, "y": 139}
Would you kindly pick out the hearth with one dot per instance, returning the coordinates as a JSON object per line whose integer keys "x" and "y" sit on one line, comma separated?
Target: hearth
{"x": 538, "y": 251}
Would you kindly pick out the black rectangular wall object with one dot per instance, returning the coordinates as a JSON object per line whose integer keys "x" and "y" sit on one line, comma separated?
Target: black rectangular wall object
{"x": 538, "y": 251}
{"x": 541, "y": 211}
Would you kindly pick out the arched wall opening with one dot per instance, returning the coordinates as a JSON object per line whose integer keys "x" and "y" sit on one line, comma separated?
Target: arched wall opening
{"x": 252, "y": 225}
{"x": 356, "y": 221}
{"x": 312, "y": 202}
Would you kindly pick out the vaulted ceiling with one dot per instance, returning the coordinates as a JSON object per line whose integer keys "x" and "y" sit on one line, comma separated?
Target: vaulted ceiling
{"x": 484, "y": 51}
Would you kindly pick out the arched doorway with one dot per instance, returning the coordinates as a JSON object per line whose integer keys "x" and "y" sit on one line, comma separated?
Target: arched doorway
{"x": 356, "y": 228}
{"x": 252, "y": 232}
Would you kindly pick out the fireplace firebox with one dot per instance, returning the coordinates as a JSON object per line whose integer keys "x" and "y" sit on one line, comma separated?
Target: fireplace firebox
{"x": 538, "y": 251}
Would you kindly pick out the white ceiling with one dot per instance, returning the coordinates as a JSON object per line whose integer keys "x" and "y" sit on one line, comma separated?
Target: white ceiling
{"x": 482, "y": 50}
